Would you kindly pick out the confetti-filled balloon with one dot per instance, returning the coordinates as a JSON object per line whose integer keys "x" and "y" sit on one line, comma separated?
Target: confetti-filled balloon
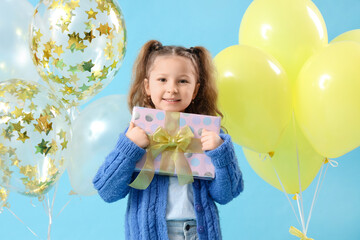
{"x": 35, "y": 131}
{"x": 15, "y": 59}
{"x": 77, "y": 46}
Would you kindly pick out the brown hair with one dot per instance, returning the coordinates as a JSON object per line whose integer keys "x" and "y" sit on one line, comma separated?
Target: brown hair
{"x": 205, "y": 101}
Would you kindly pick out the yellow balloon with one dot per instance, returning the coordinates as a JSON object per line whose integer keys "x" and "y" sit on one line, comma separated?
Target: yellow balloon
{"x": 353, "y": 35}
{"x": 254, "y": 95}
{"x": 327, "y": 99}
{"x": 284, "y": 164}
{"x": 291, "y": 31}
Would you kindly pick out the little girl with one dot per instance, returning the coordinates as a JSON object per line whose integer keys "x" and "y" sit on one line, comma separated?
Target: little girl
{"x": 177, "y": 79}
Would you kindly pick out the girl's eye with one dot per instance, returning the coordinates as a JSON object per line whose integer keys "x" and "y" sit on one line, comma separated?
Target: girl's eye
{"x": 162, "y": 79}
{"x": 183, "y": 81}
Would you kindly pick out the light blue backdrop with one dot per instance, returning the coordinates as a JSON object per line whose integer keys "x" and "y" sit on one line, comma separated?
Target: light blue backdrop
{"x": 261, "y": 211}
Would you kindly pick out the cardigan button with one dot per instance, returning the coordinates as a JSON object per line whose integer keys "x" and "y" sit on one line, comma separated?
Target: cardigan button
{"x": 198, "y": 208}
{"x": 200, "y": 229}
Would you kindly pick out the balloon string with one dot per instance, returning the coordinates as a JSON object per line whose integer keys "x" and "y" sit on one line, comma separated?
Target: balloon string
{"x": 300, "y": 212}
{"x": 323, "y": 177}
{"x": 315, "y": 195}
{"x": 50, "y": 210}
{"x": 300, "y": 206}
{"x": 286, "y": 195}
{"x": 63, "y": 208}
{"x": 23, "y": 223}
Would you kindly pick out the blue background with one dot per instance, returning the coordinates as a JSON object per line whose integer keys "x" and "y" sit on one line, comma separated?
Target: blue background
{"x": 261, "y": 211}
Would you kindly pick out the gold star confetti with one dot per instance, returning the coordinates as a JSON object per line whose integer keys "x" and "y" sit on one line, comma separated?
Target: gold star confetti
{"x": 17, "y": 112}
{"x": 89, "y": 25}
{"x": 104, "y": 29}
{"x": 29, "y": 171}
{"x": 22, "y": 137}
{"x": 64, "y": 145}
{"x": 91, "y": 14}
{"x": 73, "y": 69}
{"x": 3, "y": 150}
{"x": 43, "y": 125}
{"x": 67, "y": 90}
{"x": 62, "y": 134}
{"x": 88, "y": 65}
{"x": 23, "y": 95}
{"x": 11, "y": 151}
{"x": 15, "y": 161}
{"x": 84, "y": 87}
{"x": 74, "y": 78}
{"x": 75, "y": 42}
{"x": 91, "y": 77}
{"x": 3, "y": 198}
{"x": 45, "y": 63}
{"x": 58, "y": 50}
{"x": 47, "y": 54}
{"x": 54, "y": 147}
{"x": 108, "y": 51}
{"x": 49, "y": 45}
{"x": 65, "y": 27}
{"x": 7, "y": 173}
{"x": 42, "y": 147}
{"x": 111, "y": 35}
{"x": 74, "y": 4}
{"x": 54, "y": 4}
{"x": 32, "y": 106}
{"x": 38, "y": 35}
{"x": 103, "y": 6}
{"x": 89, "y": 36}
{"x": 59, "y": 63}
{"x": 28, "y": 117}
{"x": 113, "y": 65}
{"x": 7, "y": 133}
{"x": 17, "y": 126}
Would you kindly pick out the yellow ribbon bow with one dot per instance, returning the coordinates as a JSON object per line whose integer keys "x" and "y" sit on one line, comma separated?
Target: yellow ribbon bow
{"x": 172, "y": 148}
{"x": 296, "y": 232}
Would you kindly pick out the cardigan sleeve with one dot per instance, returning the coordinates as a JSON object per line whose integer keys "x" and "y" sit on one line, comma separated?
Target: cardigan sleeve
{"x": 228, "y": 182}
{"x": 114, "y": 175}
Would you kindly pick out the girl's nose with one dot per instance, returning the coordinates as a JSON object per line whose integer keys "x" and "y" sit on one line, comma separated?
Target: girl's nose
{"x": 172, "y": 88}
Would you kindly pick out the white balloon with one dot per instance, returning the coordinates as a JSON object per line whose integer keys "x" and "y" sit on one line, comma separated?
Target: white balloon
{"x": 95, "y": 132}
{"x": 15, "y": 58}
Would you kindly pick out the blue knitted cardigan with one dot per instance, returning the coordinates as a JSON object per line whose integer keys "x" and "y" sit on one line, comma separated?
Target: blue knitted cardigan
{"x": 146, "y": 209}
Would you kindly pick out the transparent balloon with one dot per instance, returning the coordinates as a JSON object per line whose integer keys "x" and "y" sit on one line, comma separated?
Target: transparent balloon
{"x": 15, "y": 59}
{"x": 95, "y": 131}
{"x": 35, "y": 131}
{"x": 77, "y": 46}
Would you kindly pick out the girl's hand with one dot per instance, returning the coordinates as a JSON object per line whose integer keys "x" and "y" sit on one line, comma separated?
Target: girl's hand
{"x": 137, "y": 135}
{"x": 210, "y": 140}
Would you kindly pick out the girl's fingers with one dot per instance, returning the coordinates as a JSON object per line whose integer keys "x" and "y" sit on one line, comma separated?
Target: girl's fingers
{"x": 132, "y": 125}
{"x": 205, "y": 138}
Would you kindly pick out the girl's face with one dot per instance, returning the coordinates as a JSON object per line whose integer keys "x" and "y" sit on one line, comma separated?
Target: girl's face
{"x": 172, "y": 83}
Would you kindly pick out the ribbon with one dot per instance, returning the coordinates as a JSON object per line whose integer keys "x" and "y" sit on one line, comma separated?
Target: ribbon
{"x": 333, "y": 163}
{"x": 171, "y": 142}
{"x": 296, "y": 232}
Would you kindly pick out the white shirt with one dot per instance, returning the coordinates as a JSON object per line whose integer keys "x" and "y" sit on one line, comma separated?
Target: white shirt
{"x": 180, "y": 201}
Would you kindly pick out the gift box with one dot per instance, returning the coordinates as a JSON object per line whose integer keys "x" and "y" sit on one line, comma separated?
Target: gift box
{"x": 160, "y": 123}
